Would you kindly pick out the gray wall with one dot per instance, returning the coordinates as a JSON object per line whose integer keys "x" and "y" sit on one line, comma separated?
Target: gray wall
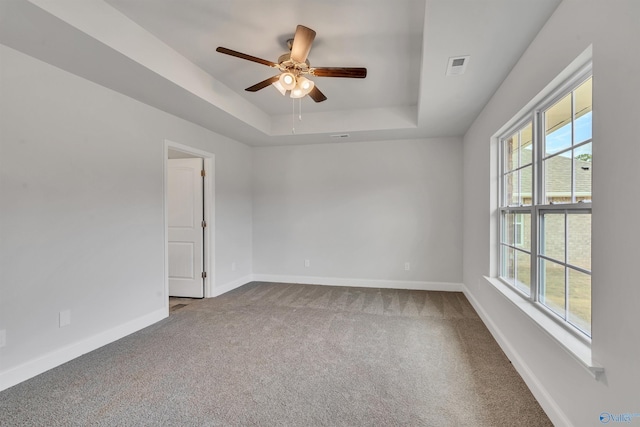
{"x": 82, "y": 216}
{"x": 561, "y": 384}
{"x": 360, "y": 210}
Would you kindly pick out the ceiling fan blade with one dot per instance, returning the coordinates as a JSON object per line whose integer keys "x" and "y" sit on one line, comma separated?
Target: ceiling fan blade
{"x": 356, "y": 73}
{"x": 316, "y": 95}
{"x": 245, "y": 56}
{"x": 256, "y": 87}
{"x": 302, "y": 43}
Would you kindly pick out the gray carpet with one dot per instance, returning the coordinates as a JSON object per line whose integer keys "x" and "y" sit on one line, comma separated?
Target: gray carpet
{"x": 272, "y": 354}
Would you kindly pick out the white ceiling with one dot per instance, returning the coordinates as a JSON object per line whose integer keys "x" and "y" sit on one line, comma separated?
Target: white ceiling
{"x": 162, "y": 52}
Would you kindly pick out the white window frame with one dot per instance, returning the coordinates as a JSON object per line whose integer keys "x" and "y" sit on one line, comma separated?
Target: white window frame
{"x": 538, "y": 206}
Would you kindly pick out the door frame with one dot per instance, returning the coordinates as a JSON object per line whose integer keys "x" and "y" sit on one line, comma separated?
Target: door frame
{"x": 209, "y": 214}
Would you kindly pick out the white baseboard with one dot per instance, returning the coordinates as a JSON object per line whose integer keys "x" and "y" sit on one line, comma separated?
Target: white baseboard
{"x": 548, "y": 404}
{"x": 55, "y": 358}
{"x": 229, "y": 286}
{"x": 362, "y": 283}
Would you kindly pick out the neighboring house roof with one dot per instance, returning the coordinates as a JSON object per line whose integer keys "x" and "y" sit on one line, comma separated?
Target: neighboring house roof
{"x": 558, "y": 177}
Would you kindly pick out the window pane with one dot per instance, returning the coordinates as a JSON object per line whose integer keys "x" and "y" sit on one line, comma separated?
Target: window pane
{"x": 523, "y": 272}
{"x": 522, "y": 231}
{"x": 508, "y": 264}
{"x": 508, "y": 228}
{"x": 518, "y": 149}
{"x": 526, "y": 147}
{"x": 511, "y": 146}
{"x": 552, "y": 242}
{"x": 512, "y": 189}
{"x": 517, "y": 187}
{"x": 557, "y": 121}
{"x": 557, "y": 178}
{"x": 525, "y": 186}
{"x": 582, "y": 117}
{"x": 583, "y": 159}
{"x": 552, "y": 292}
{"x": 579, "y": 240}
{"x": 580, "y": 300}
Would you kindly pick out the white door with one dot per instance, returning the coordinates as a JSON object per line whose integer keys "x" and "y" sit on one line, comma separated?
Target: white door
{"x": 186, "y": 237}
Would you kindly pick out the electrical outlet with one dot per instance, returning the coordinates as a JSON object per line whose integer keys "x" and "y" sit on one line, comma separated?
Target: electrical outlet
{"x": 65, "y": 318}
{"x": 407, "y": 266}
{"x": 3, "y": 338}
{"x": 307, "y": 263}
{"x": 233, "y": 266}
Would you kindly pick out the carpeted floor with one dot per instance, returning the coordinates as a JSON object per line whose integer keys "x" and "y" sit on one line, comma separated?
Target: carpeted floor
{"x": 272, "y": 354}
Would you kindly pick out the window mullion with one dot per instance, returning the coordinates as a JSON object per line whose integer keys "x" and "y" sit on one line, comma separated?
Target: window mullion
{"x": 573, "y": 153}
{"x": 513, "y": 231}
{"x": 519, "y": 176}
{"x": 501, "y": 189}
{"x": 566, "y": 268}
{"x": 536, "y": 186}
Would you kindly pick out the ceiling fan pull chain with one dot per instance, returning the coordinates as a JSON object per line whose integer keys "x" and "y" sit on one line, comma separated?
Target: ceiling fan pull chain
{"x": 293, "y": 116}
{"x": 300, "y": 109}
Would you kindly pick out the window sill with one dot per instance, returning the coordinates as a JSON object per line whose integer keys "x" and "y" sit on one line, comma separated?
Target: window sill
{"x": 574, "y": 346}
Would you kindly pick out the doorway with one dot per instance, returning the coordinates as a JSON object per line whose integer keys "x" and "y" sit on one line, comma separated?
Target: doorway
{"x": 188, "y": 194}
{"x": 186, "y": 226}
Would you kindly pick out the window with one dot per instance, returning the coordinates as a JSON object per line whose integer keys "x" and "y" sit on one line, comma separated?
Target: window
{"x": 546, "y": 164}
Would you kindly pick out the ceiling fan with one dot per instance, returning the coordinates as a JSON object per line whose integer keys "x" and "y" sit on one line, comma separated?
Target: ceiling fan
{"x": 294, "y": 66}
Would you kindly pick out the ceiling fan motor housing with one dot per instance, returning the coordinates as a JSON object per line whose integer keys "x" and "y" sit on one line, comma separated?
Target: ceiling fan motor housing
{"x": 285, "y": 63}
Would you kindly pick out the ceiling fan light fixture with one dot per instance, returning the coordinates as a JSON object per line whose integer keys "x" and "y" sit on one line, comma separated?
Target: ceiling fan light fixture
{"x": 287, "y": 80}
{"x": 297, "y": 93}
{"x": 305, "y": 84}
{"x": 278, "y": 86}
{"x": 303, "y": 87}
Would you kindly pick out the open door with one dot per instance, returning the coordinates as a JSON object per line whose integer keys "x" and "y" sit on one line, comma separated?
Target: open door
{"x": 186, "y": 228}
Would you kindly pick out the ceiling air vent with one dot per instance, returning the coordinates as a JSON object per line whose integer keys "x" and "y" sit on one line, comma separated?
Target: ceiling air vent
{"x": 457, "y": 65}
